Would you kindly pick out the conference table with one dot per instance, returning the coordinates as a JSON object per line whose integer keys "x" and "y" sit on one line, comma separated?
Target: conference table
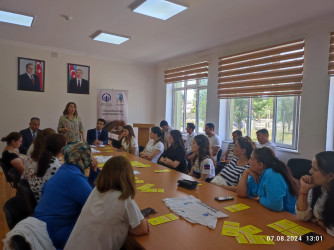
{"x": 181, "y": 234}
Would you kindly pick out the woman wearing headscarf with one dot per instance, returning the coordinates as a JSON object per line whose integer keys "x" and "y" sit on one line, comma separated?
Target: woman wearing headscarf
{"x": 64, "y": 195}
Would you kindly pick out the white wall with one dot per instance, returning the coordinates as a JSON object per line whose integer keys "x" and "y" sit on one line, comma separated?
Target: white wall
{"x": 17, "y": 107}
{"x": 314, "y": 101}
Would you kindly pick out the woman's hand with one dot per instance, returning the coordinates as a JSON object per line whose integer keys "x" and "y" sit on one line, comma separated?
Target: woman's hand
{"x": 256, "y": 176}
{"x": 93, "y": 163}
{"x": 306, "y": 183}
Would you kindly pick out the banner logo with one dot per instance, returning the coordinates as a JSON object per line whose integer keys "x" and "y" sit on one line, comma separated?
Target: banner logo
{"x": 106, "y": 97}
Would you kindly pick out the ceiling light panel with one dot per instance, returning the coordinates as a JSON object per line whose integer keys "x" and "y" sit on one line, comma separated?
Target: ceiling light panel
{"x": 13, "y": 18}
{"x": 110, "y": 38}
{"x": 160, "y": 9}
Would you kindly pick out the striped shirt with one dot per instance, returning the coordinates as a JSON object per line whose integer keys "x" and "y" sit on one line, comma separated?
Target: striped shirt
{"x": 232, "y": 172}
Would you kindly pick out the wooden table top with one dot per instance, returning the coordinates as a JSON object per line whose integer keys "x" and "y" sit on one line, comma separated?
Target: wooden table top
{"x": 181, "y": 234}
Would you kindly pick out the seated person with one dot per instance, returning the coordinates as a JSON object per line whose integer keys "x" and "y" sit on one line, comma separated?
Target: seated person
{"x": 214, "y": 140}
{"x": 36, "y": 148}
{"x": 29, "y": 134}
{"x": 228, "y": 156}
{"x": 48, "y": 164}
{"x": 64, "y": 195}
{"x": 270, "y": 182}
{"x": 202, "y": 164}
{"x": 231, "y": 173}
{"x": 166, "y": 129}
{"x": 174, "y": 156}
{"x": 10, "y": 155}
{"x": 110, "y": 212}
{"x": 262, "y": 136}
{"x": 155, "y": 146}
{"x": 190, "y": 136}
{"x": 129, "y": 141}
{"x": 98, "y": 136}
{"x": 315, "y": 201}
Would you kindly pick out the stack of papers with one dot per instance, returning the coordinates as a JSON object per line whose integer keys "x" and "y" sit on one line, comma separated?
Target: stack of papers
{"x": 101, "y": 158}
{"x": 139, "y": 164}
{"x": 194, "y": 211}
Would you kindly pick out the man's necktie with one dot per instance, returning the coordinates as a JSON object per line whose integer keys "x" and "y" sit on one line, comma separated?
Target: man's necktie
{"x": 32, "y": 79}
{"x": 79, "y": 83}
{"x": 33, "y": 134}
{"x": 98, "y": 135}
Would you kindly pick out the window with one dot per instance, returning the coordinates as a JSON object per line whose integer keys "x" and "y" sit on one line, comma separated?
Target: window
{"x": 189, "y": 104}
{"x": 279, "y": 115}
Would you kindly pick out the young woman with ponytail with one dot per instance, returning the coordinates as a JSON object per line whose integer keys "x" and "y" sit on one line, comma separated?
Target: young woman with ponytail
{"x": 270, "y": 182}
{"x": 10, "y": 155}
{"x": 48, "y": 164}
{"x": 316, "y": 195}
{"x": 155, "y": 146}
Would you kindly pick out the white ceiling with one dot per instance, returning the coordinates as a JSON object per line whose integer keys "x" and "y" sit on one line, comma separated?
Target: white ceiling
{"x": 206, "y": 24}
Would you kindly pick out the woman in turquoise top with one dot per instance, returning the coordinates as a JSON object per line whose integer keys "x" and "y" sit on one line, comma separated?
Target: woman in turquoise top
{"x": 269, "y": 181}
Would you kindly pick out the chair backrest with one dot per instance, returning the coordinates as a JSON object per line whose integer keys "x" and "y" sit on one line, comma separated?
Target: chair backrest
{"x": 15, "y": 210}
{"x": 12, "y": 175}
{"x": 23, "y": 189}
{"x": 299, "y": 167}
{"x": 19, "y": 243}
{"x": 219, "y": 154}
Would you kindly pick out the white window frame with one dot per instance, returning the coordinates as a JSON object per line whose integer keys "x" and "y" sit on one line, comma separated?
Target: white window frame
{"x": 185, "y": 87}
{"x": 295, "y": 135}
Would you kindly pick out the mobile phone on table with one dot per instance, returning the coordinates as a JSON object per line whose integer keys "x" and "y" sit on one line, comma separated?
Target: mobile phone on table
{"x": 224, "y": 198}
{"x": 147, "y": 211}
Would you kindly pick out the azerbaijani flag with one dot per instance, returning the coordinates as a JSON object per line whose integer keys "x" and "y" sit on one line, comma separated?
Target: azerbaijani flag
{"x": 72, "y": 69}
{"x": 39, "y": 73}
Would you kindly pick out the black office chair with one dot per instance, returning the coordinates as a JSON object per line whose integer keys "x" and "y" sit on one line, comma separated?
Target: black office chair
{"x": 15, "y": 210}
{"x": 23, "y": 189}
{"x": 18, "y": 242}
{"x": 11, "y": 174}
{"x": 219, "y": 154}
{"x": 299, "y": 167}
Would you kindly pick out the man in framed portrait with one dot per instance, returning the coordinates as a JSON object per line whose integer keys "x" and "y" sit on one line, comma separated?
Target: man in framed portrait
{"x": 29, "y": 81}
{"x": 78, "y": 85}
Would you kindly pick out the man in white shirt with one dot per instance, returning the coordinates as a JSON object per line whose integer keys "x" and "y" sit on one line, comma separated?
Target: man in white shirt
{"x": 262, "y": 136}
{"x": 190, "y": 137}
{"x": 166, "y": 129}
{"x": 213, "y": 139}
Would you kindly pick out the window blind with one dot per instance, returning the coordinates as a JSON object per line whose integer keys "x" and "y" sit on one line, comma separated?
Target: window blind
{"x": 331, "y": 56}
{"x": 188, "y": 72}
{"x": 272, "y": 71}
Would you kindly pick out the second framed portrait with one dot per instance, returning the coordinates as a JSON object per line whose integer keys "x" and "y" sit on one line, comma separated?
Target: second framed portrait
{"x": 77, "y": 79}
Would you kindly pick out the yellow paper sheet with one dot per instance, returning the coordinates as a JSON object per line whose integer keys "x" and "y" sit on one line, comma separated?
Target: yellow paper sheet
{"x": 230, "y": 228}
{"x": 139, "y": 164}
{"x": 282, "y": 225}
{"x": 139, "y": 181}
{"x": 162, "y": 171}
{"x": 162, "y": 219}
{"x": 296, "y": 231}
{"x": 237, "y": 207}
{"x": 254, "y": 239}
{"x": 145, "y": 186}
{"x": 249, "y": 230}
{"x": 100, "y": 165}
{"x": 153, "y": 190}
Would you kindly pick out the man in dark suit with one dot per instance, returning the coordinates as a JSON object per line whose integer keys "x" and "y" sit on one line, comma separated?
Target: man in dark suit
{"x": 78, "y": 85}
{"x": 98, "y": 136}
{"x": 29, "y": 134}
{"x": 29, "y": 81}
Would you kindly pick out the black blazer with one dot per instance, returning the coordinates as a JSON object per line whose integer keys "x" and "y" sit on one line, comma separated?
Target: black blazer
{"x": 73, "y": 88}
{"x": 26, "y": 140}
{"x": 91, "y": 136}
{"x": 25, "y": 83}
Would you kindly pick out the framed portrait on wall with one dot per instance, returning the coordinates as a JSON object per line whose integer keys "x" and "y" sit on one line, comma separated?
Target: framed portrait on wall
{"x": 31, "y": 73}
{"x": 77, "y": 79}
